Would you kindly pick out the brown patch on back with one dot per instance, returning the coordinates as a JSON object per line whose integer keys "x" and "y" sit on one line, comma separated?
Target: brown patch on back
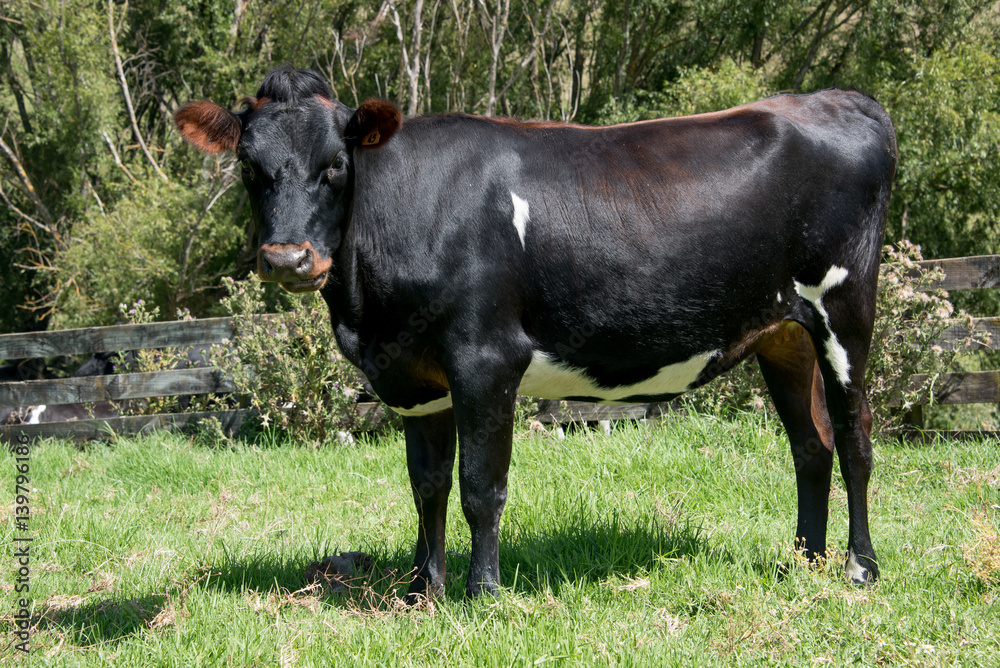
{"x": 506, "y": 120}
{"x": 208, "y": 127}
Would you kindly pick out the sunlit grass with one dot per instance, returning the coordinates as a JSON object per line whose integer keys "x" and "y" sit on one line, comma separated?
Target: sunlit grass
{"x": 665, "y": 544}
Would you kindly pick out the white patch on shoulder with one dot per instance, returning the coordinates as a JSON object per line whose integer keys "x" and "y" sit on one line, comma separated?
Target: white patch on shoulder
{"x": 548, "y": 378}
{"x": 779, "y": 297}
{"x": 856, "y": 573}
{"x": 435, "y": 406}
{"x": 35, "y": 414}
{"x": 520, "y": 216}
{"x": 835, "y": 352}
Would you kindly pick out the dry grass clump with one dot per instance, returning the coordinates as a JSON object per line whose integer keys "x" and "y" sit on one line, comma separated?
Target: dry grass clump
{"x": 983, "y": 554}
{"x": 365, "y": 588}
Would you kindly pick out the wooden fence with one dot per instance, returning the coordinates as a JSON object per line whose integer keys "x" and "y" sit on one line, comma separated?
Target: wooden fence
{"x": 956, "y": 388}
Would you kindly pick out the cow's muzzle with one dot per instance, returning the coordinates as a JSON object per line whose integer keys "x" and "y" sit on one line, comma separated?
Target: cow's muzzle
{"x": 297, "y": 267}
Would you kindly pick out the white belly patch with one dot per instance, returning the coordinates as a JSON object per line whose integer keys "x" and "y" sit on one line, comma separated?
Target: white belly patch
{"x": 435, "y": 406}
{"x": 548, "y": 378}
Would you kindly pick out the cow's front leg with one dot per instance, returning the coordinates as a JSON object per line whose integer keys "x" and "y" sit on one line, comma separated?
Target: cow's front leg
{"x": 430, "y": 459}
{"x": 484, "y": 411}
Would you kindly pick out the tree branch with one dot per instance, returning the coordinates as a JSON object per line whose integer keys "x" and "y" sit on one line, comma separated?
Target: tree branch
{"x": 118, "y": 160}
{"x": 46, "y": 223}
{"x": 128, "y": 98}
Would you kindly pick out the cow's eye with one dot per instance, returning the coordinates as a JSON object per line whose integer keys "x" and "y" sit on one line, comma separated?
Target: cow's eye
{"x": 248, "y": 172}
{"x": 336, "y": 169}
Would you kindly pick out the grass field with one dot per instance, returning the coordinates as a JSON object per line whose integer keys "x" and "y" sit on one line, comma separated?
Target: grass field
{"x": 665, "y": 544}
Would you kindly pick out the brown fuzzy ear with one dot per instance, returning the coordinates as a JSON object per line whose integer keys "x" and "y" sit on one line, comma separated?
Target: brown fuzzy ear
{"x": 373, "y": 124}
{"x": 208, "y": 126}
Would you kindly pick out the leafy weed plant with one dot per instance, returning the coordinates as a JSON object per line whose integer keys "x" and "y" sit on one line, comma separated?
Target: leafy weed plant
{"x": 288, "y": 365}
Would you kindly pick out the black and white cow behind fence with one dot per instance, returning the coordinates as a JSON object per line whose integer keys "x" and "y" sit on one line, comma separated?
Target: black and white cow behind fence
{"x": 466, "y": 260}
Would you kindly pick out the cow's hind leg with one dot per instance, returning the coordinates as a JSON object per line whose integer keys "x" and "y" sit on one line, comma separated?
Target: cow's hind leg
{"x": 430, "y": 458}
{"x": 843, "y": 304}
{"x": 788, "y": 363}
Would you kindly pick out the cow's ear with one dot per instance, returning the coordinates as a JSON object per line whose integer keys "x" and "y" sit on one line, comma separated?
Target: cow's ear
{"x": 208, "y": 126}
{"x": 373, "y": 124}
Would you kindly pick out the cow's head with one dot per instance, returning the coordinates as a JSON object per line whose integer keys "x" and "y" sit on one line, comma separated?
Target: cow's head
{"x": 296, "y": 145}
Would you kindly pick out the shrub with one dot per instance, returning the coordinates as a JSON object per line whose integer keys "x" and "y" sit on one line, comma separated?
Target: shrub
{"x": 906, "y": 340}
{"x": 157, "y": 359}
{"x": 287, "y": 364}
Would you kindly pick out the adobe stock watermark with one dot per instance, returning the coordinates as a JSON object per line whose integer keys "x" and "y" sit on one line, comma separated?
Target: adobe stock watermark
{"x": 418, "y": 322}
{"x": 435, "y": 481}
{"x": 22, "y": 538}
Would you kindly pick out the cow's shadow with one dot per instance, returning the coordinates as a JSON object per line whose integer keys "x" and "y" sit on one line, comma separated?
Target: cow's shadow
{"x": 595, "y": 549}
{"x": 531, "y": 561}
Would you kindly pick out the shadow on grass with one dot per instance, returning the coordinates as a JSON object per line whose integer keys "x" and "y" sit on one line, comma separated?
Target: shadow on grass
{"x": 100, "y": 621}
{"x": 589, "y": 549}
{"x": 583, "y": 549}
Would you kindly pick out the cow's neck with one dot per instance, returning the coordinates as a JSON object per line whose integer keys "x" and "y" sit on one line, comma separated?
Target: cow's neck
{"x": 343, "y": 297}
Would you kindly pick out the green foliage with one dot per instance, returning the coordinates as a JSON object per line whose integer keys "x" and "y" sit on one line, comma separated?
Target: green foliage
{"x": 947, "y": 117}
{"x": 161, "y": 243}
{"x": 107, "y": 228}
{"x": 287, "y": 365}
{"x": 909, "y": 324}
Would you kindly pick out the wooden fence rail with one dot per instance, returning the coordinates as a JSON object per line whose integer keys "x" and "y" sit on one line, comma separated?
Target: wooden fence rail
{"x": 956, "y": 388}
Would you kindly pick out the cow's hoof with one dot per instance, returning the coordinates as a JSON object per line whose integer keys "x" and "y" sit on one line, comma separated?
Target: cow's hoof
{"x": 422, "y": 591}
{"x": 861, "y": 570}
{"x": 475, "y": 590}
{"x": 419, "y": 600}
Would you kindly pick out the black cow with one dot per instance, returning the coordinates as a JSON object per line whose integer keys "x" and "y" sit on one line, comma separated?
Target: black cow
{"x": 467, "y": 259}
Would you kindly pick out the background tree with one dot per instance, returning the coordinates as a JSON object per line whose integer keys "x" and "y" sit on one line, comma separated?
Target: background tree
{"x": 101, "y": 203}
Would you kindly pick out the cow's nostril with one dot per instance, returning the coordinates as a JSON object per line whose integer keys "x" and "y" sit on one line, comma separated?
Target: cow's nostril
{"x": 305, "y": 264}
{"x": 286, "y": 263}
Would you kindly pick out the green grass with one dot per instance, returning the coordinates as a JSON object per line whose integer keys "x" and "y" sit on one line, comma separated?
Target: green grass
{"x": 665, "y": 544}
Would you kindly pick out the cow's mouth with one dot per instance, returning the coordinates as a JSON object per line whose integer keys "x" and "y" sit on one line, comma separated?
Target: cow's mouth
{"x": 310, "y": 285}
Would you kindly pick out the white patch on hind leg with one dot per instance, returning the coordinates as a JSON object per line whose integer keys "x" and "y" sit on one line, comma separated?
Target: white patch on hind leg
{"x": 856, "y": 573}
{"x": 836, "y": 354}
{"x": 520, "y": 216}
